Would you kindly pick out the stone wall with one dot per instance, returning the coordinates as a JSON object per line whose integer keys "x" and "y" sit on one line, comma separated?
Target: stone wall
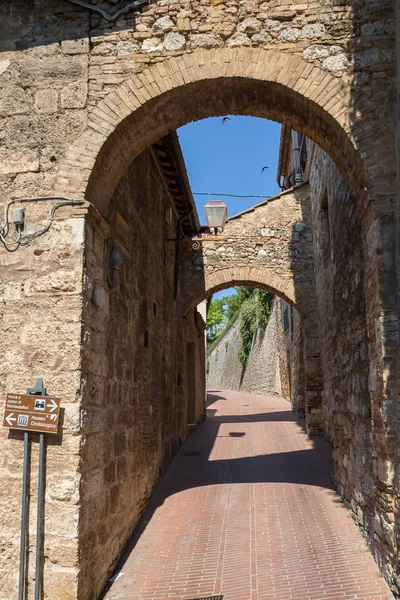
{"x": 134, "y": 371}
{"x": 268, "y": 246}
{"x": 272, "y": 366}
{"x": 60, "y": 62}
{"x": 347, "y": 293}
{"x": 80, "y": 99}
{"x": 41, "y": 302}
{"x": 100, "y": 345}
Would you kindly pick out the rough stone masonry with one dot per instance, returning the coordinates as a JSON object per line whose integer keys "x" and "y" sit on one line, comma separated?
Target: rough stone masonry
{"x": 80, "y": 99}
{"x": 269, "y": 246}
{"x": 274, "y": 365}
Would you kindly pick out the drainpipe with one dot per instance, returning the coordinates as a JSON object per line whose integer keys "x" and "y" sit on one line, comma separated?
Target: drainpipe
{"x": 298, "y": 176}
{"x": 284, "y": 147}
{"x": 178, "y": 249}
{"x": 197, "y": 324}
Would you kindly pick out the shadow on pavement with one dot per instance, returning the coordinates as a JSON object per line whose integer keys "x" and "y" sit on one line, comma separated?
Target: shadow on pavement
{"x": 192, "y": 467}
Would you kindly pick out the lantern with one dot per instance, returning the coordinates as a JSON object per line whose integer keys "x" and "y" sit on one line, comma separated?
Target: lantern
{"x": 216, "y": 214}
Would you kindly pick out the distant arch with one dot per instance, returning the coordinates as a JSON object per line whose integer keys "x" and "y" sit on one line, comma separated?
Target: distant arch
{"x": 252, "y": 277}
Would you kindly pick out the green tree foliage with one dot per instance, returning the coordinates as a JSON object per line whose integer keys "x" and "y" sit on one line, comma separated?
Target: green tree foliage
{"x": 254, "y": 313}
{"x": 216, "y": 313}
{"x": 247, "y": 329}
{"x": 264, "y": 306}
{"x": 216, "y": 319}
{"x": 235, "y": 301}
{"x": 222, "y": 312}
{"x": 254, "y": 307}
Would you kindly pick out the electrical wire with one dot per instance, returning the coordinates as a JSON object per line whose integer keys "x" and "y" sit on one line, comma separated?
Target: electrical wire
{"x": 27, "y": 239}
{"x": 16, "y": 241}
{"x": 228, "y": 195}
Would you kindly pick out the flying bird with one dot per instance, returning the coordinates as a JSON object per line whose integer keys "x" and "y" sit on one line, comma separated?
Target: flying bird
{"x": 263, "y": 169}
{"x": 225, "y": 119}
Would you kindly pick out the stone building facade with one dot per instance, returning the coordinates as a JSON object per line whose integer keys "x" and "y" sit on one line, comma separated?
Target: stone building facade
{"x": 269, "y": 246}
{"x": 273, "y": 366}
{"x": 82, "y": 97}
{"x": 351, "y": 413}
{"x": 141, "y": 384}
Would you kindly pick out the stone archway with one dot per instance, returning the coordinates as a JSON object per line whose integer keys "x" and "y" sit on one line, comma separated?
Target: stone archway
{"x": 275, "y": 84}
{"x": 270, "y": 84}
{"x": 268, "y": 246}
{"x": 265, "y": 83}
{"x": 247, "y": 276}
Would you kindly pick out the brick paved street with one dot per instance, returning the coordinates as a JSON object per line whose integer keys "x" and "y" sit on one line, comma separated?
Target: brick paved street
{"x": 247, "y": 509}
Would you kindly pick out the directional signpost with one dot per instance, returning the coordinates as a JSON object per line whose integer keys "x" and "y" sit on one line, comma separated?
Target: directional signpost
{"x": 33, "y": 411}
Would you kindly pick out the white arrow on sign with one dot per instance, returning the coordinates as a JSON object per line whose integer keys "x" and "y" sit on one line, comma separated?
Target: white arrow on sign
{"x": 10, "y": 420}
{"x": 54, "y": 405}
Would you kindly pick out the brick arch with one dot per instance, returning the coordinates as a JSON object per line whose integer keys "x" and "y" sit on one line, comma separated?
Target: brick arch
{"x": 252, "y": 277}
{"x": 251, "y": 81}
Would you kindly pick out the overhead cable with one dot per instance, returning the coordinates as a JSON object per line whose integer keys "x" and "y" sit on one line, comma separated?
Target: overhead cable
{"x": 228, "y": 195}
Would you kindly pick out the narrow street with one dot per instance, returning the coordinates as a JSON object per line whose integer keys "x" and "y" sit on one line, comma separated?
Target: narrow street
{"x": 248, "y": 509}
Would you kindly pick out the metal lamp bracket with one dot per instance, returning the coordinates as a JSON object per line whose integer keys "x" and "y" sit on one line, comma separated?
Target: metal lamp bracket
{"x": 108, "y": 15}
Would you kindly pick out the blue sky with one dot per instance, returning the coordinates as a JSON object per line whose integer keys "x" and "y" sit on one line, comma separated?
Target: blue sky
{"x": 228, "y": 158}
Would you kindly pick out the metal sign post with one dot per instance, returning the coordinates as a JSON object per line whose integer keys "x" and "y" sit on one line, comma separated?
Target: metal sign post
{"x": 22, "y": 552}
{"x": 39, "y": 517}
{"x": 39, "y": 390}
{"x": 33, "y": 411}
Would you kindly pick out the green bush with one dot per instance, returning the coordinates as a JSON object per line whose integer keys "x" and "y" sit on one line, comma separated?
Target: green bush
{"x": 254, "y": 308}
{"x": 247, "y": 328}
{"x": 264, "y": 306}
{"x": 254, "y": 312}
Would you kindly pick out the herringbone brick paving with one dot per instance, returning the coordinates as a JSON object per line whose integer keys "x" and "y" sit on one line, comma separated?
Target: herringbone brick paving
{"x": 254, "y": 516}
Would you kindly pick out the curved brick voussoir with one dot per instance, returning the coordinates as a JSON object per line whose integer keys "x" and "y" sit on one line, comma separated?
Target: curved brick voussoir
{"x": 266, "y": 83}
{"x": 226, "y": 278}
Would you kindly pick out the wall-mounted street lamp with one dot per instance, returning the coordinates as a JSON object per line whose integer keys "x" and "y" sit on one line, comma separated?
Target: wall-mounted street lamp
{"x": 216, "y": 214}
